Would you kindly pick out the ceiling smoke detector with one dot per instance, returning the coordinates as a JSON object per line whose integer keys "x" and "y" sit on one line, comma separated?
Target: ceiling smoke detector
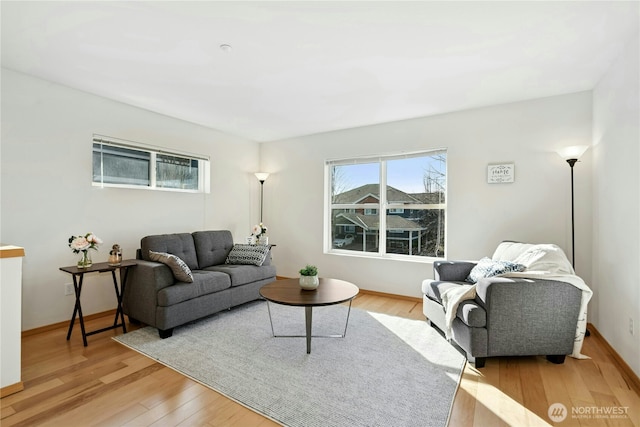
{"x": 226, "y": 48}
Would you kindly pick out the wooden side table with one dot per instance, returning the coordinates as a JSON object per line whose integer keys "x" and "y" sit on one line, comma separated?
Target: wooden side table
{"x": 78, "y": 277}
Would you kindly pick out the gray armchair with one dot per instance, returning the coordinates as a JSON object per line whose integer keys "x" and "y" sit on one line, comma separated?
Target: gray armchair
{"x": 508, "y": 316}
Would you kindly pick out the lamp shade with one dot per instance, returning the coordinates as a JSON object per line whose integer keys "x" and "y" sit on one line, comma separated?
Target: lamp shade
{"x": 573, "y": 152}
{"x": 262, "y": 176}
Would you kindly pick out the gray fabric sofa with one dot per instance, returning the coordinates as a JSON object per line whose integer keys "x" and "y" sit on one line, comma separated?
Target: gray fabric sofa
{"x": 508, "y": 316}
{"x": 153, "y": 296}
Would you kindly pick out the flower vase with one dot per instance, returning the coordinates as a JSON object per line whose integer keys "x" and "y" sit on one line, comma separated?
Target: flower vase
{"x": 263, "y": 240}
{"x": 309, "y": 282}
{"x": 85, "y": 260}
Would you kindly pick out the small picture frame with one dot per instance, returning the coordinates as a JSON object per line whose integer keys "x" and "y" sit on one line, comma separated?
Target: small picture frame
{"x": 503, "y": 173}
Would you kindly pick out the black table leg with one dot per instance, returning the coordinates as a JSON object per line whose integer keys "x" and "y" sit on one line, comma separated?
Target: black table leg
{"x": 119, "y": 312}
{"x": 75, "y": 308}
{"x": 308, "y": 317}
{"x": 77, "y": 286}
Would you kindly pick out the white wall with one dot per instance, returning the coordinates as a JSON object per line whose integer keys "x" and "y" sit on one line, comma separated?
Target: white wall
{"x": 47, "y": 194}
{"x": 536, "y": 208}
{"x": 616, "y": 205}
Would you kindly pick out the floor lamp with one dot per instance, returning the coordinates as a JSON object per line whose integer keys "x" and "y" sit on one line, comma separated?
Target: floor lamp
{"x": 571, "y": 155}
{"x": 262, "y": 177}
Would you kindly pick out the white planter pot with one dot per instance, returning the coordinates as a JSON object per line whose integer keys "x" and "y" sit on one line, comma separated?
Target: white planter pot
{"x": 309, "y": 282}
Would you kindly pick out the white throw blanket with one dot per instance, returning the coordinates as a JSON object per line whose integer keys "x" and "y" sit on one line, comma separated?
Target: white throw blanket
{"x": 547, "y": 262}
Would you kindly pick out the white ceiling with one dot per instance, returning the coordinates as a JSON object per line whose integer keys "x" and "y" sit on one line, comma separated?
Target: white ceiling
{"x": 299, "y": 68}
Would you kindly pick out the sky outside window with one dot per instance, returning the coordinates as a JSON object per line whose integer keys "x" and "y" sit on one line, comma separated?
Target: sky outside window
{"x": 403, "y": 174}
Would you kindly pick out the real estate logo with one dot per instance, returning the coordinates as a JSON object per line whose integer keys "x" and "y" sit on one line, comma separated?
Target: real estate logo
{"x": 557, "y": 412}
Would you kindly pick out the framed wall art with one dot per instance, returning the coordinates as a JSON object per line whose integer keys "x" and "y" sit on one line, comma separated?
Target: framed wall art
{"x": 501, "y": 173}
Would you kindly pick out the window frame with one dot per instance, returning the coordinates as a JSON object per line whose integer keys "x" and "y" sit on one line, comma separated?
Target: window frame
{"x": 204, "y": 173}
{"x": 383, "y": 207}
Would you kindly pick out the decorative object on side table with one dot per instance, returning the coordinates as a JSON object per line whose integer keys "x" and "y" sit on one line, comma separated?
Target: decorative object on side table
{"x": 82, "y": 244}
{"x": 115, "y": 255}
{"x": 309, "y": 278}
{"x": 260, "y": 233}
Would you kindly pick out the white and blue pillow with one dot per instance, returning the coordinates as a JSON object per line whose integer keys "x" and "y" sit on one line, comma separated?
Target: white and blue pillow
{"x": 487, "y": 267}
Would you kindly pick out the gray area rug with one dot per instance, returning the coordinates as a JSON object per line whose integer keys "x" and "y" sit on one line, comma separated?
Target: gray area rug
{"x": 386, "y": 371}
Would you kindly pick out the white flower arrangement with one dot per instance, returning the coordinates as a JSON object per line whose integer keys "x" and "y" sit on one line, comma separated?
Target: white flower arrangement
{"x": 84, "y": 243}
{"x": 259, "y": 229}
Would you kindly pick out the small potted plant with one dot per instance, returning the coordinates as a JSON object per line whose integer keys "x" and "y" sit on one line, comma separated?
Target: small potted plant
{"x": 309, "y": 277}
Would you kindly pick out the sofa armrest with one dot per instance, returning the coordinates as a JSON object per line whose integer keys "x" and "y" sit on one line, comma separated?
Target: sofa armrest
{"x": 452, "y": 271}
{"x": 140, "y": 297}
{"x": 529, "y": 316}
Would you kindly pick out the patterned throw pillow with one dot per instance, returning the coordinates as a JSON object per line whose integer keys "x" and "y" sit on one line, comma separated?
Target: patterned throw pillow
{"x": 180, "y": 270}
{"x": 248, "y": 254}
{"x": 486, "y": 267}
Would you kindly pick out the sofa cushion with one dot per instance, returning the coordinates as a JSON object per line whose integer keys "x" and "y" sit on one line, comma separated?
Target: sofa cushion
{"x": 452, "y": 271}
{"x": 180, "y": 270}
{"x": 180, "y": 245}
{"x": 204, "y": 282}
{"x": 243, "y": 274}
{"x": 487, "y": 267}
{"x": 212, "y": 247}
{"x": 247, "y": 254}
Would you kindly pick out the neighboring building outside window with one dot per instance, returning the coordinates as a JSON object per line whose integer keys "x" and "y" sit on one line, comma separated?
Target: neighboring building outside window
{"x": 119, "y": 163}
{"x": 388, "y": 205}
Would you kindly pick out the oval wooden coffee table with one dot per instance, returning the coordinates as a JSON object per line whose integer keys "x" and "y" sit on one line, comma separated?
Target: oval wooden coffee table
{"x": 329, "y": 292}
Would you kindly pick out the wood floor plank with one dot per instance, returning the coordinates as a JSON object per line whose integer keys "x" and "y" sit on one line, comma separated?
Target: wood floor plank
{"x": 605, "y": 406}
{"x": 131, "y": 365}
{"x": 98, "y": 407}
{"x": 173, "y": 384}
{"x": 65, "y": 380}
{"x": 29, "y": 393}
{"x": 121, "y": 416}
{"x": 630, "y": 402}
{"x": 168, "y": 405}
{"x": 186, "y": 410}
{"x": 464, "y": 404}
{"x": 489, "y": 405}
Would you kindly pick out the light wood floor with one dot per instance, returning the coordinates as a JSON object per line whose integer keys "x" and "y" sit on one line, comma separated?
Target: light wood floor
{"x": 106, "y": 384}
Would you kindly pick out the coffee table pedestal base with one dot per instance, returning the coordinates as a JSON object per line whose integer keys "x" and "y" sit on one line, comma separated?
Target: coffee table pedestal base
{"x": 308, "y": 320}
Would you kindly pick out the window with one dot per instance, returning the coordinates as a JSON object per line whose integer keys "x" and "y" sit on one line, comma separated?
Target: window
{"x": 119, "y": 163}
{"x": 388, "y": 206}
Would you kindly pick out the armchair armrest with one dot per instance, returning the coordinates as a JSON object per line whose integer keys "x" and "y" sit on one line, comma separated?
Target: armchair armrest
{"x": 529, "y": 316}
{"x": 452, "y": 271}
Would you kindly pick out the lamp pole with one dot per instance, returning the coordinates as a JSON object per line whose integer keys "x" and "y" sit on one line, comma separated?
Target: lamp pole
{"x": 573, "y": 232}
{"x": 571, "y": 155}
{"x": 262, "y": 197}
